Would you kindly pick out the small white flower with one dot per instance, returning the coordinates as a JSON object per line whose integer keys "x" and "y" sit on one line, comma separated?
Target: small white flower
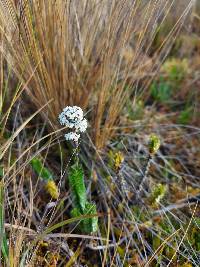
{"x": 81, "y": 126}
{"x": 72, "y": 136}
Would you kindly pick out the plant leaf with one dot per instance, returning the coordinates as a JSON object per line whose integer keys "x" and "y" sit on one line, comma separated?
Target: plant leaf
{"x": 90, "y": 225}
{"x": 41, "y": 171}
{"x": 76, "y": 182}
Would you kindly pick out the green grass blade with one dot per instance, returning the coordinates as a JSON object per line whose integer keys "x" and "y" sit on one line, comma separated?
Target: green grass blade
{"x": 3, "y": 239}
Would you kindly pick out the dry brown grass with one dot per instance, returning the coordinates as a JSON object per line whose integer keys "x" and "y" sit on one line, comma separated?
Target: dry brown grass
{"x": 88, "y": 53}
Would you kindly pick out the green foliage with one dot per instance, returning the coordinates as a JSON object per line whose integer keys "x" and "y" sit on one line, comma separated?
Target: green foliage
{"x": 173, "y": 73}
{"x": 121, "y": 251}
{"x": 3, "y": 239}
{"x": 185, "y": 116}
{"x": 175, "y": 70}
{"x": 161, "y": 90}
{"x": 75, "y": 212}
{"x": 81, "y": 205}
{"x": 197, "y": 221}
{"x": 139, "y": 214}
{"x": 41, "y": 171}
{"x": 170, "y": 175}
{"x": 90, "y": 225}
{"x": 156, "y": 242}
{"x": 76, "y": 182}
{"x": 169, "y": 251}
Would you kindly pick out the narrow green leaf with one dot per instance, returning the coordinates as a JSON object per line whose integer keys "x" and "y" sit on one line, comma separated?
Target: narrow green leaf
{"x": 1, "y": 171}
{"x": 41, "y": 171}
{"x": 3, "y": 239}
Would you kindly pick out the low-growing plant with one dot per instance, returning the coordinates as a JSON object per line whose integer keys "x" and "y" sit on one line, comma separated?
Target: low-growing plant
{"x": 172, "y": 74}
{"x": 161, "y": 90}
{"x": 185, "y": 116}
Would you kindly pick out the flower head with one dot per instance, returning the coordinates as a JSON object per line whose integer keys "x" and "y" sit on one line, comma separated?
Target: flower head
{"x": 72, "y": 117}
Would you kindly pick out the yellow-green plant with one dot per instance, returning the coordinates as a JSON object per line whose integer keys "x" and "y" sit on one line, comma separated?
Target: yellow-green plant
{"x": 158, "y": 193}
{"x": 154, "y": 144}
{"x": 153, "y": 147}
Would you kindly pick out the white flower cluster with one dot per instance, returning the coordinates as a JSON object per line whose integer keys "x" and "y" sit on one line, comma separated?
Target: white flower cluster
{"x": 72, "y": 136}
{"x": 72, "y": 117}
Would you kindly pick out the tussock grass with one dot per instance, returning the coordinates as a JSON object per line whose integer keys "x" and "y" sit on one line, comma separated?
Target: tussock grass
{"x": 88, "y": 53}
